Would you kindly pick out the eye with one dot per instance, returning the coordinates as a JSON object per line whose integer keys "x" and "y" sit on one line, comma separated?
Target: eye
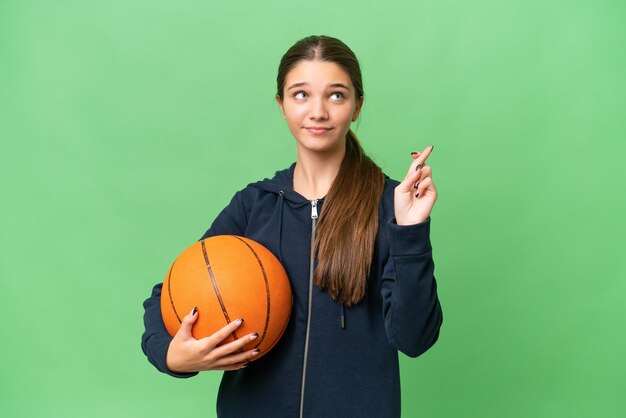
{"x": 300, "y": 95}
{"x": 337, "y": 96}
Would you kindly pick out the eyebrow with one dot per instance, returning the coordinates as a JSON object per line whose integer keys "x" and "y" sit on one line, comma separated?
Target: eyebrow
{"x": 335, "y": 85}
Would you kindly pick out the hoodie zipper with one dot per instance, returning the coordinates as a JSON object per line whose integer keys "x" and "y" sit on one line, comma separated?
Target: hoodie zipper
{"x": 308, "y": 319}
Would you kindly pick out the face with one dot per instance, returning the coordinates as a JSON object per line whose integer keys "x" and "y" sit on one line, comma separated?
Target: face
{"x": 319, "y": 104}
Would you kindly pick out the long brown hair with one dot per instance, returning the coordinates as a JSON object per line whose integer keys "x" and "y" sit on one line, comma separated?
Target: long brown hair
{"x": 348, "y": 224}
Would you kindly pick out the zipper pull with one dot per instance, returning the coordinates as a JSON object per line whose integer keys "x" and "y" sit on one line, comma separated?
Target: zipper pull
{"x": 313, "y": 209}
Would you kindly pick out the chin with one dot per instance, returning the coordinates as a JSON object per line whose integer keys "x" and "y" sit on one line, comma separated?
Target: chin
{"x": 319, "y": 146}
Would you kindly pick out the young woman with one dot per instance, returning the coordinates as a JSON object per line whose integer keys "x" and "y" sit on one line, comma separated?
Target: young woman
{"x": 356, "y": 247}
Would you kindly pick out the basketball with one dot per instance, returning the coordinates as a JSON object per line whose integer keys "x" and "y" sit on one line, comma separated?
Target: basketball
{"x": 228, "y": 277}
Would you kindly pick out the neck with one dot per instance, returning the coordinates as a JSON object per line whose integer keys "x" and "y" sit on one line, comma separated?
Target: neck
{"x": 314, "y": 172}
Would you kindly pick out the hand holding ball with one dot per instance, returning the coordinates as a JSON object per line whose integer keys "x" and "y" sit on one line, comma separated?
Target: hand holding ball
{"x": 227, "y": 277}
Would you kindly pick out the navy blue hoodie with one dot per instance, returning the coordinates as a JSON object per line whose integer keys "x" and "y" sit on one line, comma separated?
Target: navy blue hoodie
{"x": 332, "y": 361}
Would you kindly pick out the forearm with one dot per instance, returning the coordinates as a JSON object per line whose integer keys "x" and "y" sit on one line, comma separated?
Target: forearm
{"x": 156, "y": 340}
{"x": 413, "y": 314}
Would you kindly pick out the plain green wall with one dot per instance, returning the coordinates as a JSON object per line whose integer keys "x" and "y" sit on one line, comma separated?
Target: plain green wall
{"x": 126, "y": 126}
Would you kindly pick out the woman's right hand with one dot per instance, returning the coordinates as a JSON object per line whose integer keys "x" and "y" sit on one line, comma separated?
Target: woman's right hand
{"x": 186, "y": 354}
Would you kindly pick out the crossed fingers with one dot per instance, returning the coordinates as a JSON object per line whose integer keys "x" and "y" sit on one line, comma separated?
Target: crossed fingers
{"x": 418, "y": 170}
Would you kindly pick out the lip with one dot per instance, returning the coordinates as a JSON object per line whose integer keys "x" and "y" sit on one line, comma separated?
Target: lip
{"x": 317, "y": 130}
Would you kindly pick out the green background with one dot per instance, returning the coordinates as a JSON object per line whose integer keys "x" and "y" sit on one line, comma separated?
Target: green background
{"x": 125, "y": 127}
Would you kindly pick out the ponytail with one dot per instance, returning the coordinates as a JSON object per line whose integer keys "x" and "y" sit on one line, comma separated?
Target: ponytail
{"x": 348, "y": 225}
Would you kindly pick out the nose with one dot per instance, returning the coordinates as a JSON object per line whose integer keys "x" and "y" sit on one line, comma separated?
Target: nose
{"x": 318, "y": 110}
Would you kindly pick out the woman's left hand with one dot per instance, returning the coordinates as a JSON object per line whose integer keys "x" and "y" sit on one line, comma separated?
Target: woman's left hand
{"x": 411, "y": 205}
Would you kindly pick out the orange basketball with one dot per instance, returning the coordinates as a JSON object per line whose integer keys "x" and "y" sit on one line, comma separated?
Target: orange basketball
{"x": 228, "y": 277}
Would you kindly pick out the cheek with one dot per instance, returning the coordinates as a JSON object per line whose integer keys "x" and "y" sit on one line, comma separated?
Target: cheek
{"x": 293, "y": 115}
{"x": 347, "y": 114}
{"x": 291, "y": 120}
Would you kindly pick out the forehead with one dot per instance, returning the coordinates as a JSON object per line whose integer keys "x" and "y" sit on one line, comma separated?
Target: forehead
{"x": 317, "y": 73}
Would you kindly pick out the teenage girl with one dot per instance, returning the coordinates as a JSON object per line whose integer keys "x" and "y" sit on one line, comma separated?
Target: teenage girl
{"x": 356, "y": 247}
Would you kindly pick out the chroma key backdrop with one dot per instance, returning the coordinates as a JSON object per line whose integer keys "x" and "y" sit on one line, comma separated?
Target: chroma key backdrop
{"x": 126, "y": 126}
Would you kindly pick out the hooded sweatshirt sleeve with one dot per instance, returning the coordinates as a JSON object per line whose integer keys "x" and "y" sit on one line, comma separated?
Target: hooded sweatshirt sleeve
{"x": 155, "y": 339}
{"x": 411, "y": 306}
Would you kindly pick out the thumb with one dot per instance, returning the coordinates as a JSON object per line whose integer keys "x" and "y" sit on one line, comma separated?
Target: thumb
{"x": 187, "y": 323}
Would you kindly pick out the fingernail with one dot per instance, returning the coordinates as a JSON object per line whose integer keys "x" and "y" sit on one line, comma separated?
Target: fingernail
{"x": 255, "y": 351}
{"x": 239, "y": 321}
{"x": 414, "y": 153}
{"x": 417, "y": 195}
{"x": 253, "y": 336}
{"x": 245, "y": 365}
{"x": 193, "y": 312}
{"x": 432, "y": 147}
{"x": 416, "y": 184}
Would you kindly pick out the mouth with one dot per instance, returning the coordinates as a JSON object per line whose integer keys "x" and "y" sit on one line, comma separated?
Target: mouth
{"x": 317, "y": 130}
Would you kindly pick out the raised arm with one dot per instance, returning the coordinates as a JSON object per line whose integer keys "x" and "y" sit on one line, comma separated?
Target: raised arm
{"x": 411, "y": 306}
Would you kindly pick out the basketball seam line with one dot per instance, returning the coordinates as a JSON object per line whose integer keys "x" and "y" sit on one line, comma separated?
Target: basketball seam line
{"x": 217, "y": 291}
{"x": 267, "y": 291}
{"x": 169, "y": 291}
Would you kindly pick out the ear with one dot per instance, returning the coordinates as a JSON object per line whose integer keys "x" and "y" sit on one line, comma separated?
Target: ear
{"x": 357, "y": 110}
{"x": 280, "y": 104}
